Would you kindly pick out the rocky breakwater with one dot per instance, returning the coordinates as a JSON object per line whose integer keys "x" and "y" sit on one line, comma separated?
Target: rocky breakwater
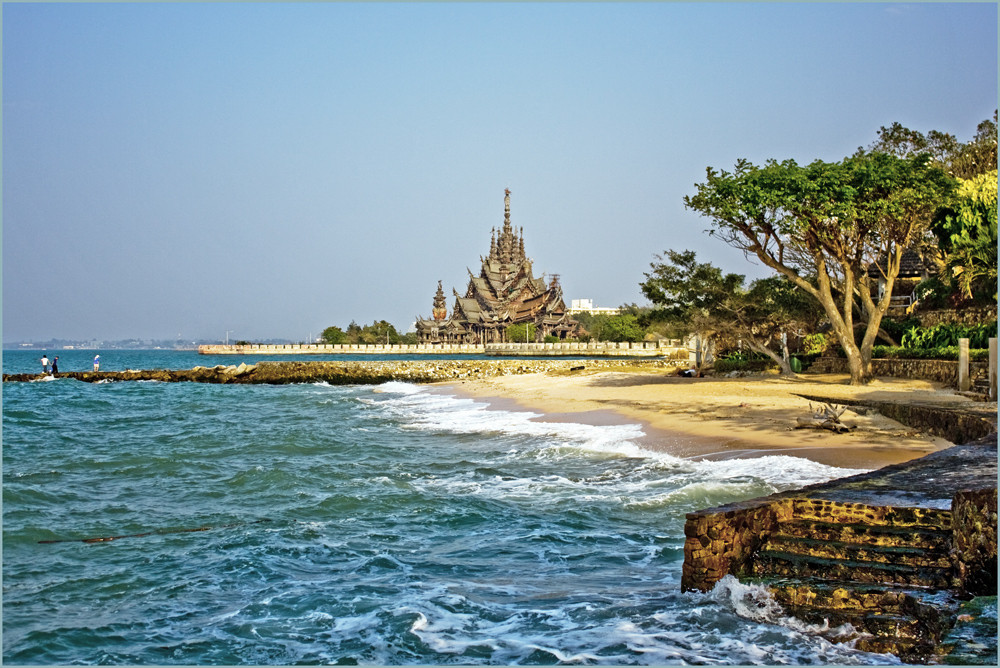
{"x": 348, "y": 373}
{"x": 901, "y": 554}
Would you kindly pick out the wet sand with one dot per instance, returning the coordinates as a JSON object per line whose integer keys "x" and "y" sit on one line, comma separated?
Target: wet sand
{"x": 723, "y": 418}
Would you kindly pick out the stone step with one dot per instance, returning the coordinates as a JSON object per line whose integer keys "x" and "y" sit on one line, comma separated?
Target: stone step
{"x": 916, "y": 556}
{"x": 827, "y": 595}
{"x": 832, "y": 512}
{"x": 879, "y": 535}
{"x": 768, "y": 563}
{"x": 906, "y": 621}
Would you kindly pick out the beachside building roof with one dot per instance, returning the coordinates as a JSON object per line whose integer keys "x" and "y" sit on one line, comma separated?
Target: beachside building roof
{"x": 504, "y": 293}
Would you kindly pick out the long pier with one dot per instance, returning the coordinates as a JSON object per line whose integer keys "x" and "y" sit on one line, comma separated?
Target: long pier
{"x": 667, "y": 349}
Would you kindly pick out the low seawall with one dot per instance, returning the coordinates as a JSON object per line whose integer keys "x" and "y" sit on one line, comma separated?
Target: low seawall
{"x": 352, "y": 372}
{"x": 591, "y": 349}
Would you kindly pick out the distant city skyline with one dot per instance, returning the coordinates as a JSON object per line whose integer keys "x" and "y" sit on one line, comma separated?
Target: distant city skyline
{"x": 267, "y": 170}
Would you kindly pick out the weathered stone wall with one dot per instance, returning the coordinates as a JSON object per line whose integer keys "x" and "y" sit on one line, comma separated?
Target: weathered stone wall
{"x": 975, "y": 540}
{"x": 721, "y": 541}
{"x": 939, "y": 371}
{"x": 968, "y": 316}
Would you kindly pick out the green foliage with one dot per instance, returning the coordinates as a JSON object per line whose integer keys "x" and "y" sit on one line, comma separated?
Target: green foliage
{"x": 967, "y": 234}
{"x": 933, "y": 292}
{"x": 934, "y": 353}
{"x": 823, "y": 225}
{"x": 683, "y": 289}
{"x": 622, "y": 328}
{"x": 552, "y": 339}
{"x": 814, "y": 344}
{"x": 896, "y": 329}
{"x": 742, "y": 363}
{"x": 960, "y": 160}
{"x": 379, "y": 332}
{"x": 701, "y": 298}
{"x": 591, "y": 322}
{"x": 334, "y": 335}
{"x": 521, "y": 333}
{"x": 948, "y": 334}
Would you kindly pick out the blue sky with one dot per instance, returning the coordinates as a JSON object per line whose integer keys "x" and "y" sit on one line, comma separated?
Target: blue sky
{"x": 273, "y": 169}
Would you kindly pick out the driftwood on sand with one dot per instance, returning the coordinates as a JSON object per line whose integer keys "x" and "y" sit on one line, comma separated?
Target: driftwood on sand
{"x": 825, "y": 417}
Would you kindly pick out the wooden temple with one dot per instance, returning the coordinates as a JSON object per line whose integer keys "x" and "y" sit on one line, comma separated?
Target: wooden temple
{"x": 504, "y": 293}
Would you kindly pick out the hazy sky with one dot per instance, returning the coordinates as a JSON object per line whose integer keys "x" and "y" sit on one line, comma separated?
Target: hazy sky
{"x": 273, "y": 169}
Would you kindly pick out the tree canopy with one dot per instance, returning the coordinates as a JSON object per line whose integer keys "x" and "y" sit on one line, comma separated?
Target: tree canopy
{"x": 823, "y": 225}
{"x": 682, "y": 289}
{"x": 699, "y": 296}
{"x": 379, "y": 331}
{"x": 967, "y": 235}
{"x": 961, "y": 160}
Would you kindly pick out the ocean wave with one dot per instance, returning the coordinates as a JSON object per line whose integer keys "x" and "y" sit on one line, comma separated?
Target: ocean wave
{"x": 415, "y": 408}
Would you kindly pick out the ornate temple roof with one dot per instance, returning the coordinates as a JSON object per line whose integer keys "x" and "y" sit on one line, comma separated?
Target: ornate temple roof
{"x": 505, "y": 291}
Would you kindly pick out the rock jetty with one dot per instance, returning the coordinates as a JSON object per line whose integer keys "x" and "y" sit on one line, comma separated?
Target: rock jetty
{"x": 350, "y": 372}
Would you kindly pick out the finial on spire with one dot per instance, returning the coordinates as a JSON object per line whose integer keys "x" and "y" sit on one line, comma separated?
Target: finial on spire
{"x": 506, "y": 210}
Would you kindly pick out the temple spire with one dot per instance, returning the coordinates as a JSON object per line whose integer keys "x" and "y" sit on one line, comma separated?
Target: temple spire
{"x": 440, "y": 310}
{"x": 506, "y": 209}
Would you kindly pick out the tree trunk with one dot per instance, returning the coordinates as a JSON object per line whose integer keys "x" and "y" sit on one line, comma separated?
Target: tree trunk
{"x": 782, "y": 362}
{"x": 861, "y": 369}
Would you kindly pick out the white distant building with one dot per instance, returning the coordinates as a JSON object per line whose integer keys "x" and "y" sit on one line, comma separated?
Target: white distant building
{"x": 587, "y": 306}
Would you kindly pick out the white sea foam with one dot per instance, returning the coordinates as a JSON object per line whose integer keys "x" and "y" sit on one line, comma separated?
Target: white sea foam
{"x": 416, "y": 408}
{"x": 754, "y": 602}
{"x": 419, "y": 409}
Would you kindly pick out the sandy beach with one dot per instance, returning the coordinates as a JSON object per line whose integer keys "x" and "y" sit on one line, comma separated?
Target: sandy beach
{"x": 725, "y": 417}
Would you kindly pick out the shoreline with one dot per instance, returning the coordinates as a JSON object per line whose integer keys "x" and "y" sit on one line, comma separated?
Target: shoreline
{"x": 723, "y": 418}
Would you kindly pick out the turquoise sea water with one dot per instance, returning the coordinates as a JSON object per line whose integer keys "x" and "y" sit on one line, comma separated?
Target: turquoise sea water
{"x": 390, "y": 524}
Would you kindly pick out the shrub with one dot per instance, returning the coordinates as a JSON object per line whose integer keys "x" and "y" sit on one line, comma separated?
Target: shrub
{"x": 898, "y": 329}
{"x": 932, "y": 293}
{"x": 726, "y": 365}
{"x": 814, "y": 343}
{"x": 948, "y": 334}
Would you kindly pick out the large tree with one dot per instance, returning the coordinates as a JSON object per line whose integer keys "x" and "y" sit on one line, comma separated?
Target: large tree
{"x": 823, "y": 225}
{"x": 700, "y": 297}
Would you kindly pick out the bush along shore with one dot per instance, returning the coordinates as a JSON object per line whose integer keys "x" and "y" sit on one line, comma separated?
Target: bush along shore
{"x": 348, "y": 373}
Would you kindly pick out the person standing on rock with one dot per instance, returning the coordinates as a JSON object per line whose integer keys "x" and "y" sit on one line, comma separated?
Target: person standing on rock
{"x": 97, "y": 362}
{"x": 45, "y": 363}
{"x": 55, "y": 365}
